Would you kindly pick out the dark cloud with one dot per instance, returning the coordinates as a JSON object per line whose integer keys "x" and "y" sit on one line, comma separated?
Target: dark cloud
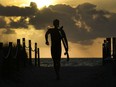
{"x": 82, "y": 24}
{"x": 2, "y": 22}
{"x": 44, "y": 18}
{"x": 13, "y": 23}
{"x": 14, "y": 12}
{"x": 100, "y": 22}
{"x": 47, "y": 15}
{"x": 21, "y": 23}
{"x": 18, "y": 11}
{"x": 65, "y": 9}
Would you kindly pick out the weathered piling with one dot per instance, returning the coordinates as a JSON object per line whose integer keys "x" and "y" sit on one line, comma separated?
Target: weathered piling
{"x": 114, "y": 55}
{"x": 10, "y": 54}
{"x": 35, "y": 54}
{"x": 106, "y": 51}
{"x": 18, "y": 54}
{"x": 1, "y": 50}
{"x": 24, "y": 52}
{"x": 38, "y": 57}
{"x": 1, "y": 45}
{"x": 1, "y": 57}
{"x": 10, "y": 57}
{"x": 30, "y": 54}
{"x": 109, "y": 47}
{"x": 114, "y": 48}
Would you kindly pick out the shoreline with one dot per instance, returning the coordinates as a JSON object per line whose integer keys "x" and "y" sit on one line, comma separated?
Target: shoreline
{"x": 48, "y": 62}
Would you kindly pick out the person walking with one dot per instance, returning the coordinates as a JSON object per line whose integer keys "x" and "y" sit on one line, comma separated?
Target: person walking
{"x": 56, "y": 48}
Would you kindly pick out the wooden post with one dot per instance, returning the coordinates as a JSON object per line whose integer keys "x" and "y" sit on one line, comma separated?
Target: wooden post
{"x": 1, "y": 57}
{"x": 35, "y": 54}
{"x": 1, "y": 49}
{"x": 103, "y": 52}
{"x": 18, "y": 42}
{"x": 10, "y": 58}
{"x": 38, "y": 58}
{"x": 18, "y": 54}
{"x": 10, "y": 53}
{"x": 109, "y": 47}
{"x": 1, "y": 45}
{"x": 114, "y": 48}
{"x": 30, "y": 55}
{"x": 23, "y": 42}
{"x": 24, "y": 51}
{"x": 114, "y": 55}
{"x": 10, "y": 45}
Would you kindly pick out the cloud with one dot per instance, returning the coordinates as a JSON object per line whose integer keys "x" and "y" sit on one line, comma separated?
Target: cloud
{"x": 21, "y": 23}
{"x": 2, "y": 22}
{"x": 18, "y": 11}
{"x": 82, "y": 24}
{"x": 47, "y": 15}
{"x": 8, "y": 31}
{"x": 13, "y": 12}
{"x": 100, "y": 22}
{"x": 13, "y": 22}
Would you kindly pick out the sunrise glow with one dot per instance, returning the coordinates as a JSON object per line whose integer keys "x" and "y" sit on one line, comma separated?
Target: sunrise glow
{"x": 42, "y": 3}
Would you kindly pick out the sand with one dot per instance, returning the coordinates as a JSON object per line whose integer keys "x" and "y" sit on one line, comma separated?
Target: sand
{"x": 81, "y": 76}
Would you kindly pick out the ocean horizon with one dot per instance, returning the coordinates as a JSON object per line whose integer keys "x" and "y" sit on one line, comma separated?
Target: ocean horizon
{"x": 73, "y": 62}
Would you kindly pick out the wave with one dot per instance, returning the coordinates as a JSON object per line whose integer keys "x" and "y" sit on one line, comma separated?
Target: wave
{"x": 48, "y": 62}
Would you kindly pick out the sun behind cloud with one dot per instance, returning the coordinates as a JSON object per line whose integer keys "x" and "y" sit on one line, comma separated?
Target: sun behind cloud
{"x": 42, "y": 3}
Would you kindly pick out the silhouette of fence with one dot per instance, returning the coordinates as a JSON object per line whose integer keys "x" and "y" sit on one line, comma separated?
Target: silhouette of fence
{"x": 109, "y": 50}
{"x": 14, "y": 57}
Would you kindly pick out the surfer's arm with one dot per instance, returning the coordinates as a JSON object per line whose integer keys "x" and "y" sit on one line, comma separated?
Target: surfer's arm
{"x": 46, "y": 37}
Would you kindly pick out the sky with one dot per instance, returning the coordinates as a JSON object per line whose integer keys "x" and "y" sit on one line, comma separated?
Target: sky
{"x": 86, "y": 23}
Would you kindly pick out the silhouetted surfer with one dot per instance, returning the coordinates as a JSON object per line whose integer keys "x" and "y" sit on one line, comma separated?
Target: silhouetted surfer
{"x": 56, "y": 37}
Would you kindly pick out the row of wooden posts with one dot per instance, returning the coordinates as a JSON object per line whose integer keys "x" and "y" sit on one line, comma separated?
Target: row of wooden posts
{"x": 36, "y": 50}
{"x": 109, "y": 49}
{"x": 37, "y": 53}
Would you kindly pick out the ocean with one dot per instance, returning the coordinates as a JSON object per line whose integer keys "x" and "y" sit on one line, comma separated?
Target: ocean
{"x": 48, "y": 62}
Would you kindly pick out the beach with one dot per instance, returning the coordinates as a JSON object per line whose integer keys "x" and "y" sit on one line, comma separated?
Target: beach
{"x": 70, "y": 76}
